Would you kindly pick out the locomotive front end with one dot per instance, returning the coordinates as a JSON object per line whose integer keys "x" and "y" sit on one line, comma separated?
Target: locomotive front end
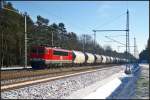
{"x": 37, "y": 57}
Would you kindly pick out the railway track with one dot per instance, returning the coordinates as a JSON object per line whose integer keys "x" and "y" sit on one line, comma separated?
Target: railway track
{"x": 17, "y": 82}
{"x": 22, "y": 73}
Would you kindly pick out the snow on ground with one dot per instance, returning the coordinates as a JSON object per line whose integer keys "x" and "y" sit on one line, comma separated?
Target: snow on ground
{"x": 104, "y": 91}
{"x": 62, "y": 88}
{"x": 92, "y": 89}
{"x": 142, "y": 85}
{"x": 121, "y": 87}
{"x": 144, "y": 65}
{"x": 112, "y": 83}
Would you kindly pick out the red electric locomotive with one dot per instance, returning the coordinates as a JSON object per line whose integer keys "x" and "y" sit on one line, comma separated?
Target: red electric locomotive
{"x": 47, "y": 56}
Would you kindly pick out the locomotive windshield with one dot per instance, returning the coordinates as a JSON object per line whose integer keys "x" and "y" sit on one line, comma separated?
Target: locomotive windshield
{"x": 60, "y": 53}
{"x": 33, "y": 50}
{"x": 38, "y": 50}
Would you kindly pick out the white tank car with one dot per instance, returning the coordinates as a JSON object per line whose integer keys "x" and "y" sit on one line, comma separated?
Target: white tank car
{"x": 90, "y": 59}
{"x": 117, "y": 60}
{"x": 79, "y": 57}
{"x": 124, "y": 60}
{"x": 107, "y": 59}
{"x": 98, "y": 58}
{"x": 127, "y": 60}
{"x": 104, "y": 59}
{"x": 112, "y": 59}
{"x": 120, "y": 59}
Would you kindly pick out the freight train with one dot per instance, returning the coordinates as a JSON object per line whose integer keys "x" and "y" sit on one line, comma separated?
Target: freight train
{"x": 46, "y": 57}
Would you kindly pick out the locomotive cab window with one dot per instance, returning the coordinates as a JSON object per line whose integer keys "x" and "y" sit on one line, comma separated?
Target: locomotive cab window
{"x": 33, "y": 50}
{"x": 41, "y": 51}
{"x": 37, "y": 50}
{"x": 60, "y": 53}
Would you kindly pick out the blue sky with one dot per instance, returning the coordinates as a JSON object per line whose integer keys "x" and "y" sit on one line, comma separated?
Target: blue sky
{"x": 82, "y": 17}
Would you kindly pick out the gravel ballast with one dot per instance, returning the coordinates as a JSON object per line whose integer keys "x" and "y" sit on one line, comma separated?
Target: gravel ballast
{"x": 61, "y": 88}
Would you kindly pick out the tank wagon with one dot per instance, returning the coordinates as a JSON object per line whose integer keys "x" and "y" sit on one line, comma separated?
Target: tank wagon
{"x": 98, "y": 59}
{"x": 90, "y": 59}
{"x": 44, "y": 57}
{"x": 78, "y": 57}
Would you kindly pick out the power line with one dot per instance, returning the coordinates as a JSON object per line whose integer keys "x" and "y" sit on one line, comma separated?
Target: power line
{"x": 114, "y": 40}
{"x": 128, "y": 68}
{"x": 113, "y": 20}
{"x": 108, "y": 30}
{"x": 116, "y": 35}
